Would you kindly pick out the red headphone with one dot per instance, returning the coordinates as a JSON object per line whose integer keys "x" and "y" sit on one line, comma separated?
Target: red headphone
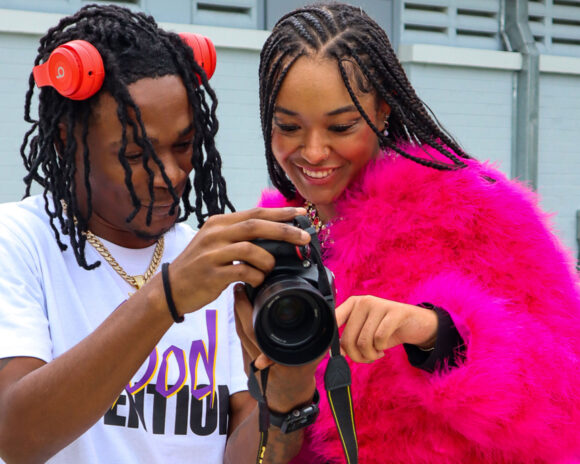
{"x": 75, "y": 69}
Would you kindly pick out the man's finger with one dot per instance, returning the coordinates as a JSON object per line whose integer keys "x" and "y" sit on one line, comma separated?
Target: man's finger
{"x": 267, "y": 214}
{"x": 262, "y": 361}
{"x": 255, "y": 228}
{"x": 244, "y": 325}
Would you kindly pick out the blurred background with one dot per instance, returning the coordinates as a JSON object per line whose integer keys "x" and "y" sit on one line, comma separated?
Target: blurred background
{"x": 503, "y": 76}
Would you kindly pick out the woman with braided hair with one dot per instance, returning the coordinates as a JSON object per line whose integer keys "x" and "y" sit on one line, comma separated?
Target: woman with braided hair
{"x": 458, "y": 308}
{"x": 102, "y": 357}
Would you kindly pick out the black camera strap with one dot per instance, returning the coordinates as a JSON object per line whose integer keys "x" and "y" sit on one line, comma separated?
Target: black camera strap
{"x": 337, "y": 380}
{"x": 263, "y": 411}
{"x": 337, "y": 376}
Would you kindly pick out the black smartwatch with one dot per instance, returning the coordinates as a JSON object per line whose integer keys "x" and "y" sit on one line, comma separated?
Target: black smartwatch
{"x": 297, "y": 418}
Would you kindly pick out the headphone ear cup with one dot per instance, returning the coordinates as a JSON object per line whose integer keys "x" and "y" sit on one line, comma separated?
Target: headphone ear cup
{"x": 75, "y": 69}
{"x": 203, "y": 51}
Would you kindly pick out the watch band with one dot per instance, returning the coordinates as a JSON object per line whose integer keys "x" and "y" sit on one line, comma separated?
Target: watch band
{"x": 297, "y": 418}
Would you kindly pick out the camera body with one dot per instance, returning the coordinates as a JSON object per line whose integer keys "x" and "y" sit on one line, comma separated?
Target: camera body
{"x": 294, "y": 307}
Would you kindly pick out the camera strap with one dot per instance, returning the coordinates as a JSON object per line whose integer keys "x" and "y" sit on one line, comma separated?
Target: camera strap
{"x": 263, "y": 411}
{"x": 337, "y": 380}
{"x": 337, "y": 376}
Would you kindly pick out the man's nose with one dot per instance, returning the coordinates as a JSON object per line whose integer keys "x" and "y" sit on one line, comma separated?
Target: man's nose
{"x": 173, "y": 171}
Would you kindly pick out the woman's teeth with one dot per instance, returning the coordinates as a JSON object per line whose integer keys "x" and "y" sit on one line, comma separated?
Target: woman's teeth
{"x": 317, "y": 174}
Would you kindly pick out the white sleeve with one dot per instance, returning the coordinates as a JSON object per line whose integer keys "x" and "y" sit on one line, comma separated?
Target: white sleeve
{"x": 24, "y": 328}
{"x": 238, "y": 379}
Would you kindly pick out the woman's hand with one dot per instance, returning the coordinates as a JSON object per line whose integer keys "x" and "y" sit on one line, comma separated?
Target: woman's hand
{"x": 373, "y": 325}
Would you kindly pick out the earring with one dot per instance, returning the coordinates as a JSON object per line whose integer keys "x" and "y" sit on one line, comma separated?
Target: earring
{"x": 386, "y": 128}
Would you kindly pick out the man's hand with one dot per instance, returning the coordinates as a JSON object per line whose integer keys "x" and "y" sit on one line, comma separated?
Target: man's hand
{"x": 222, "y": 253}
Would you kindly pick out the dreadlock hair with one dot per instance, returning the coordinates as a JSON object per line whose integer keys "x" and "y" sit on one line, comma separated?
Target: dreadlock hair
{"x": 132, "y": 47}
{"x": 364, "y": 56}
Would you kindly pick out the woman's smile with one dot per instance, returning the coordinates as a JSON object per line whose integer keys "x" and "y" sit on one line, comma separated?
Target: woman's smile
{"x": 318, "y": 174}
{"x": 319, "y": 137}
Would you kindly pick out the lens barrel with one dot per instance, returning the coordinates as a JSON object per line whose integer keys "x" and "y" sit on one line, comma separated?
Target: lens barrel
{"x": 293, "y": 322}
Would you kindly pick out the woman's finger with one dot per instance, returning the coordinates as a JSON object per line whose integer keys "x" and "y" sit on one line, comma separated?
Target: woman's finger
{"x": 367, "y": 342}
{"x": 352, "y": 327}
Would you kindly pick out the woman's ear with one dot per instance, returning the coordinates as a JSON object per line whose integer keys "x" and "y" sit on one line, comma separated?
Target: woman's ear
{"x": 383, "y": 113}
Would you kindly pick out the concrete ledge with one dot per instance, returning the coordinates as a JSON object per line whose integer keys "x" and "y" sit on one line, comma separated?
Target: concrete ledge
{"x": 27, "y": 22}
{"x": 224, "y": 37}
{"x": 456, "y": 56}
{"x": 37, "y": 23}
{"x": 559, "y": 64}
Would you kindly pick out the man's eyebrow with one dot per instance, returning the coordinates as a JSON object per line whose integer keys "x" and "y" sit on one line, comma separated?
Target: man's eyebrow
{"x": 342, "y": 109}
{"x": 117, "y": 144}
{"x": 187, "y": 130}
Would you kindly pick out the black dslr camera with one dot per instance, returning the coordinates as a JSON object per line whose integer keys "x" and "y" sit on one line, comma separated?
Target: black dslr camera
{"x": 294, "y": 307}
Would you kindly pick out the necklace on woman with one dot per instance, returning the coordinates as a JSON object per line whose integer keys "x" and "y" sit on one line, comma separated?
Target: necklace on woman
{"x": 320, "y": 227}
{"x": 136, "y": 281}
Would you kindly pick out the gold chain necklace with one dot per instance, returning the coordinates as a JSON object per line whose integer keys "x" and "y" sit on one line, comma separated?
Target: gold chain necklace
{"x": 136, "y": 281}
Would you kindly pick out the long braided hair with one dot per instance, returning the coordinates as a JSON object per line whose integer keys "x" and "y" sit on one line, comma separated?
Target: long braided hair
{"x": 365, "y": 58}
{"x": 132, "y": 47}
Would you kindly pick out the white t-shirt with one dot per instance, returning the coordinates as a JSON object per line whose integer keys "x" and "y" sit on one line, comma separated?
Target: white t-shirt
{"x": 178, "y": 407}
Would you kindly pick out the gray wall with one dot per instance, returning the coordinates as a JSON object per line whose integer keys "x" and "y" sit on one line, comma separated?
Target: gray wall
{"x": 235, "y": 82}
{"x": 240, "y": 136}
{"x": 473, "y": 104}
{"x": 471, "y": 90}
{"x": 17, "y": 52}
{"x": 559, "y": 151}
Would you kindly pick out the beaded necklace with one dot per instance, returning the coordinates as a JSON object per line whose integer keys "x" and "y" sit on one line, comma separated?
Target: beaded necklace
{"x": 321, "y": 229}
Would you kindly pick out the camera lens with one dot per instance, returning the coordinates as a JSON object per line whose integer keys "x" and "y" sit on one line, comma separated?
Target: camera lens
{"x": 292, "y": 319}
{"x": 293, "y": 322}
{"x": 289, "y": 312}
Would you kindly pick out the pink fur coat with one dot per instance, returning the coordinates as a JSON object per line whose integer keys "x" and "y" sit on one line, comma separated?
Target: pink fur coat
{"x": 485, "y": 252}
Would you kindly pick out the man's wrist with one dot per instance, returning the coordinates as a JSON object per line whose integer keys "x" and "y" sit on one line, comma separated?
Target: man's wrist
{"x": 284, "y": 394}
{"x": 298, "y": 417}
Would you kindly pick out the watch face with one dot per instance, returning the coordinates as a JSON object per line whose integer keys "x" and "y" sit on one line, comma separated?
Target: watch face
{"x": 299, "y": 418}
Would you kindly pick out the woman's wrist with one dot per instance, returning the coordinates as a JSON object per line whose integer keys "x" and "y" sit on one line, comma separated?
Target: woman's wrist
{"x": 427, "y": 327}
{"x": 448, "y": 350}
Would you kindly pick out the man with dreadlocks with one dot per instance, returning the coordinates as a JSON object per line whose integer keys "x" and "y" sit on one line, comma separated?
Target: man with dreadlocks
{"x": 94, "y": 366}
{"x": 460, "y": 309}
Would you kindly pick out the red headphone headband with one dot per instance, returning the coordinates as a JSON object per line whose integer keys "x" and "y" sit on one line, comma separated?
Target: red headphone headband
{"x": 75, "y": 69}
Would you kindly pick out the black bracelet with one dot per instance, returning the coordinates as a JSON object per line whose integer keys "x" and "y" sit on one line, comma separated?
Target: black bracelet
{"x": 168, "y": 297}
{"x": 298, "y": 418}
